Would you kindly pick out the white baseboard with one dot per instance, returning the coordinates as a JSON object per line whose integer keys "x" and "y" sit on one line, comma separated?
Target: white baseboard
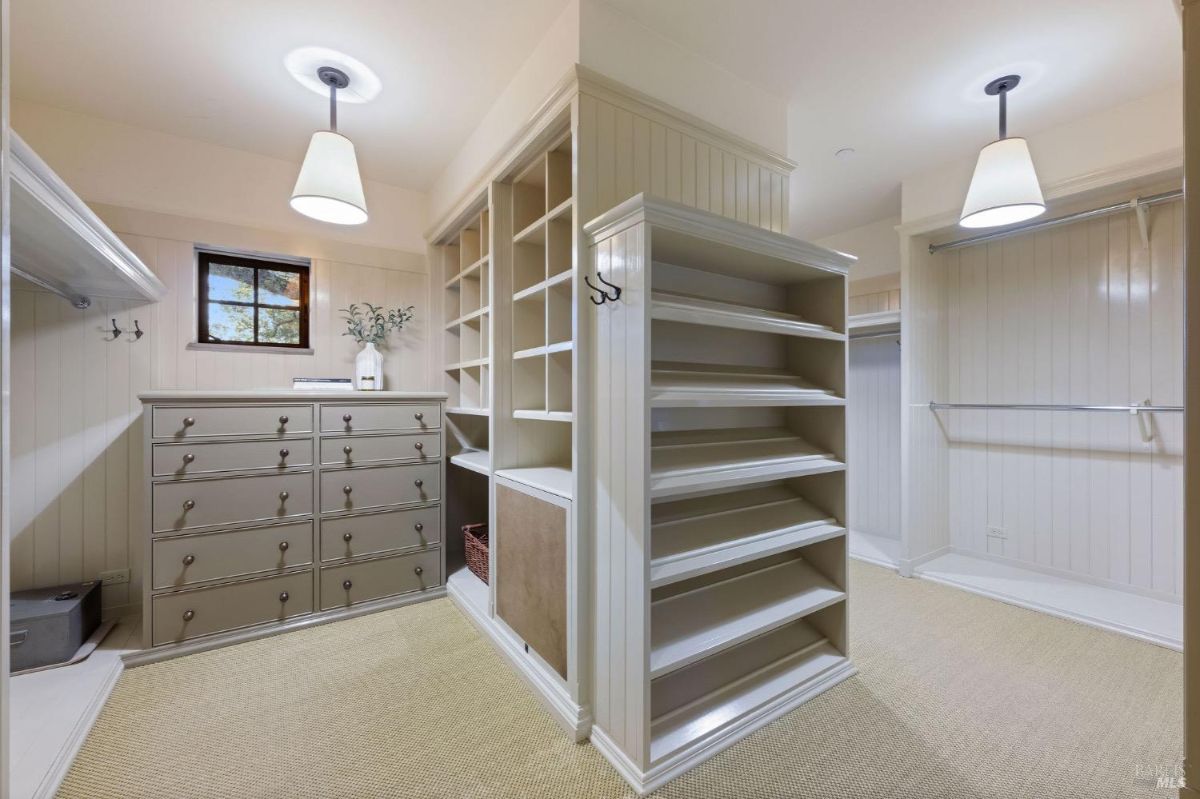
{"x": 573, "y": 717}
{"x": 49, "y": 785}
{"x": 1081, "y": 601}
{"x": 907, "y": 566}
{"x": 658, "y": 775}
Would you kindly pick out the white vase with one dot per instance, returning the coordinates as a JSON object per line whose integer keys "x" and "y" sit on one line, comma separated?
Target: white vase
{"x": 368, "y": 369}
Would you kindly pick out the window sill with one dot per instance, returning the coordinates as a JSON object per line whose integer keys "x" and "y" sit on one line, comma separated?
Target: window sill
{"x": 249, "y": 348}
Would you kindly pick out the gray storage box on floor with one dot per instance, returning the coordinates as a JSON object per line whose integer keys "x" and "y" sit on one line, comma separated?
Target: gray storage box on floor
{"x": 49, "y": 624}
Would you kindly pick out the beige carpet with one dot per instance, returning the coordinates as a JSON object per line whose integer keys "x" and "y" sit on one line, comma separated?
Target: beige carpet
{"x": 957, "y": 696}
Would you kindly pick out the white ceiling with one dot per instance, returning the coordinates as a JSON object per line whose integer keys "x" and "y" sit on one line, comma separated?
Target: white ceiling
{"x": 902, "y": 82}
{"x": 213, "y": 69}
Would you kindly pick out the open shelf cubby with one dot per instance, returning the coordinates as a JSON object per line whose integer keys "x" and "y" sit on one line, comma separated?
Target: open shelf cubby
{"x": 466, "y": 354}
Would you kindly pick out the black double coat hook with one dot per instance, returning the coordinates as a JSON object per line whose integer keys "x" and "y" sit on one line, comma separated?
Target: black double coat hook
{"x": 604, "y": 295}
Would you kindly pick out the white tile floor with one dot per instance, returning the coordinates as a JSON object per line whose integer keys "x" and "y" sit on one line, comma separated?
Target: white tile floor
{"x": 53, "y": 710}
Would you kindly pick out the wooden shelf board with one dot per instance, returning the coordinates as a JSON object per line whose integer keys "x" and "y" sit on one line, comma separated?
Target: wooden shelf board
{"x": 470, "y": 317}
{"x": 874, "y": 324}
{"x": 544, "y": 416}
{"x": 538, "y": 288}
{"x": 682, "y": 385}
{"x": 467, "y": 272}
{"x": 465, "y": 411}
{"x": 548, "y": 349}
{"x": 692, "y": 462}
{"x": 730, "y": 704}
{"x": 560, "y": 209}
{"x": 533, "y": 233}
{"x": 476, "y": 362}
{"x": 477, "y": 460}
{"x": 716, "y": 532}
{"x": 672, "y": 307}
{"x": 691, "y": 626}
{"x": 471, "y": 589}
{"x": 557, "y": 480}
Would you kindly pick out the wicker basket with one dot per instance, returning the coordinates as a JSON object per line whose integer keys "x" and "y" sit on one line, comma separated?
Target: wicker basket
{"x": 475, "y": 542}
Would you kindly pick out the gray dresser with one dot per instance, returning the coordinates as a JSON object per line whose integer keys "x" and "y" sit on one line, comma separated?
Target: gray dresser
{"x": 269, "y": 510}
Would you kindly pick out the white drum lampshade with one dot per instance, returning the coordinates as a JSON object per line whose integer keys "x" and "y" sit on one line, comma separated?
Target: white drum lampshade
{"x": 1004, "y": 188}
{"x": 329, "y": 187}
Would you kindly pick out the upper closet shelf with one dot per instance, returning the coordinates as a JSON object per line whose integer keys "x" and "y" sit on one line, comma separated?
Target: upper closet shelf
{"x": 692, "y": 462}
{"x": 60, "y": 244}
{"x": 703, "y": 535}
{"x": 874, "y": 324}
{"x": 690, "y": 626}
{"x": 470, "y": 270}
{"x": 682, "y": 385}
{"x": 672, "y": 307}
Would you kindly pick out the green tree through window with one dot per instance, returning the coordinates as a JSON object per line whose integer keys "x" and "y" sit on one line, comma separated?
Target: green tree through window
{"x": 250, "y": 301}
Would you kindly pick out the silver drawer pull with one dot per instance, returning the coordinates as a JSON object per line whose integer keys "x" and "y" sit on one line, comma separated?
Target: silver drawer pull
{"x": 188, "y": 457}
{"x": 418, "y": 571}
{"x": 283, "y": 420}
{"x": 346, "y": 418}
{"x": 283, "y": 453}
{"x": 283, "y": 495}
{"x": 418, "y": 482}
{"x": 419, "y": 526}
{"x": 188, "y": 560}
{"x": 284, "y": 596}
{"x": 347, "y": 536}
{"x": 419, "y": 445}
{"x": 347, "y": 489}
{"x": 189, "y": 504}
{"x": 418, "y": 416}
{"x": 188, "y": 615}
{"x": 283, "y": 546}
{"x": 347, "y": 449}
{"x": 188, "y": 421}
{"x": 346, "y": 584}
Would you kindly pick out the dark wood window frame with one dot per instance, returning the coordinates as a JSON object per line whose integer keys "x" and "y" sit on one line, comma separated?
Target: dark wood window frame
{"x": 205, "y": 259}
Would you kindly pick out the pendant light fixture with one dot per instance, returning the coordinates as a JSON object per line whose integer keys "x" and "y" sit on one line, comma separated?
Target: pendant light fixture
{"x": 1004, "y": 188}
{"x": 329, "y": 187}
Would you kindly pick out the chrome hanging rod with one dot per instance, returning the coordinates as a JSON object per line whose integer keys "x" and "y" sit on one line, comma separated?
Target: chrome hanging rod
{"x": 79, "y": 301}
{"x": 1131, "y": 409}
{"x": 1115, "y": 208}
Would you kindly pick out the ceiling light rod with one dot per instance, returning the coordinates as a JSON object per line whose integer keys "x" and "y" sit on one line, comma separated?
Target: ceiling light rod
{"x": 335, "y": 79}
{"x": 1001, "y": 87}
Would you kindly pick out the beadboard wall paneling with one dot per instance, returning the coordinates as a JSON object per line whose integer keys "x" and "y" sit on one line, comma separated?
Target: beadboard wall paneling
{"x": 924, "y": 462}
{"x": 875, "y": 302}
{"x": 622, "y": 419}
{"x": 874, "y": 435}
{"x": 77, "y": 457}
{"x": 622, "y": 153}
{"x": 1082, "y": 314}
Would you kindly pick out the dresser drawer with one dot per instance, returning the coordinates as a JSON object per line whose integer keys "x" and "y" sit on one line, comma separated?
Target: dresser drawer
{"x": 372, "y": 449}
{"x": 348, "y": 490}
{"x": 375, "y": 579}
{"x": 350, "y": 419}
{"x": 205, "y": 421}
{"x": 186, "y": 560}
{"x": 377, "y": 533}
{"x": 207, "y": 457}
{"x": 190, "y": 614}
{"x": 188, "y": 504}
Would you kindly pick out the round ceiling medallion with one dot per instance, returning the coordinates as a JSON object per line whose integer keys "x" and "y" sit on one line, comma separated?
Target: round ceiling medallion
{"x": 303, "y": 64}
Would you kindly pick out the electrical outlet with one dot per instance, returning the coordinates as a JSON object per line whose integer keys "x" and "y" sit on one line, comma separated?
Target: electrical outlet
{"x": 996, "y": 532}
{"x": 115, "y": 577}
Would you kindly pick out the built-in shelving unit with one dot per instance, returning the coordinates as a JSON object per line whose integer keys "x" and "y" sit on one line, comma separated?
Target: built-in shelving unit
{"x": 719, "y": 388}
{"x": 543, "y": 303}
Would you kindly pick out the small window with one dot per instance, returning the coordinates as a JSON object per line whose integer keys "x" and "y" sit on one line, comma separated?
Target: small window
{"x": 252, "y": 302}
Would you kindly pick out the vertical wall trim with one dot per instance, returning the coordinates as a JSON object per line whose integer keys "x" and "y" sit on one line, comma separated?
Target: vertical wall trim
{"x": 1191, "y": 604}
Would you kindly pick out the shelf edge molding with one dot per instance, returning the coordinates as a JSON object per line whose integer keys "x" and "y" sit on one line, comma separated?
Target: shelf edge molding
{"x": 49, "y": 219}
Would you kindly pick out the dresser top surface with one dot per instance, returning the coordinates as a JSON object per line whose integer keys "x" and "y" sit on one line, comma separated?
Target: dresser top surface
{"x": 290, "y": 395}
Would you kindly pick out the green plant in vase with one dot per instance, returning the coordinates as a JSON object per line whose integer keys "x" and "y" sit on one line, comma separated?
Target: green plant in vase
{"x": 370, "y": 325}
